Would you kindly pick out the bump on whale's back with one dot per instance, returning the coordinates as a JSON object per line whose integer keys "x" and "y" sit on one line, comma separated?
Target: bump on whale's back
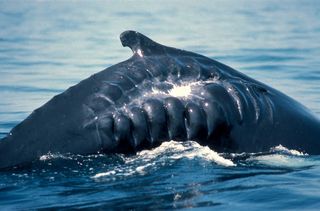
{"x": 224, "y": 109}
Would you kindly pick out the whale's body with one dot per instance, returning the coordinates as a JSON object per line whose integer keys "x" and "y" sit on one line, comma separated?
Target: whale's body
{"x": 132, "y": 105}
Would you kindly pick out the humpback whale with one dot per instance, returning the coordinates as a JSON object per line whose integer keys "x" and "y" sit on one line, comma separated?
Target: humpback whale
{"x": 159, "y": 94}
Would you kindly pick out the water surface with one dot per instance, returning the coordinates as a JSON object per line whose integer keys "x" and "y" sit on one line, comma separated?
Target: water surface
{"x": 45, "y": 47}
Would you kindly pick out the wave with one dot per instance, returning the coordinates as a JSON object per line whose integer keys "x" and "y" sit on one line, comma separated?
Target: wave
{"x": 280, "y": 156}
{"x": 119, "y": 166}
{"x": 166, "y": 154}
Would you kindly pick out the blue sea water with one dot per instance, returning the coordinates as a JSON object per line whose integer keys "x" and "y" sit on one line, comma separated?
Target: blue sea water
{"x": 47, "y": 46}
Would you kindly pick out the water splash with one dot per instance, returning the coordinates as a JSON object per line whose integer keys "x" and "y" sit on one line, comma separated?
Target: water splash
{"x": 281, "y": 156}
{"x": 166, "y": 154}
{"x": 285, "y": 150}
{"x": 51, "y": 156}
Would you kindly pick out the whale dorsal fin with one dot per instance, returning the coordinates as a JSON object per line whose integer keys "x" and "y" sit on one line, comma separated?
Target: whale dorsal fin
{"x": 141, "y": 44}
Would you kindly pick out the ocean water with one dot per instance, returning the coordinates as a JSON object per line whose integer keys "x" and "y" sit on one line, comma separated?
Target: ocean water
{"x": 47, "y": 46}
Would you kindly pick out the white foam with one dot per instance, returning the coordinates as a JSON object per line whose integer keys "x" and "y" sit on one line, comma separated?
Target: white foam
{"x": 279, "y": 160}
{"x": 195, "y": 150}
{"x": 117, "y": 172}
{"x": 177, "y": 150}
{"x": 50, "y": 156}
{"x": 108, "y": 173}
{"x": 167, "y": 153}
{"x": 283, "y": 157}
{"x": 283, "y": 149}
{"x": 142, "y": 169}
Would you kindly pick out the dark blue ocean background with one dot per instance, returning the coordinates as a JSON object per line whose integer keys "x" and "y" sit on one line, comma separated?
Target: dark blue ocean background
{"x": 47, "y": 46}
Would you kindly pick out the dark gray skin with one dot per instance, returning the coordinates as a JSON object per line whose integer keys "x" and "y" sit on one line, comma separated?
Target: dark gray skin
{"x": 117, "y": 110}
